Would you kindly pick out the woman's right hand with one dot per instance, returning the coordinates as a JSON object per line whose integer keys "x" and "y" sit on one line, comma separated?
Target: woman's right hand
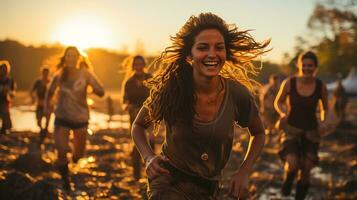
{"x": 153, "y": 166}
{"x": 283, "y": 119}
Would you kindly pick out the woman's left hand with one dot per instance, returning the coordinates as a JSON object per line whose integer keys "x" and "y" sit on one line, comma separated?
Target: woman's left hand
{"x": 239, "y": 183}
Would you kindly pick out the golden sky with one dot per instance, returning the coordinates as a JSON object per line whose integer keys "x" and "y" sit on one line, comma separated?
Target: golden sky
{"x": 146, "y": 25}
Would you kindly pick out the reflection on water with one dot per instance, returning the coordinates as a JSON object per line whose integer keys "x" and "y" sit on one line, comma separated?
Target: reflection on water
{"x": 319, "y": 174}
{"x": 23, "y": 118}
{"x": 105, "y": 172}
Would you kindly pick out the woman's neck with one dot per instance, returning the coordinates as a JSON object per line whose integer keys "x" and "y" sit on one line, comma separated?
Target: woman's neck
{"x": 309, "y": 79}
{"x": 207, "y": 85}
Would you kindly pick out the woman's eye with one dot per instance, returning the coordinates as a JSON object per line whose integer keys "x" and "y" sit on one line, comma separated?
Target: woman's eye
{"x": 220, "y": 47}
{"x": 202, "y": 48}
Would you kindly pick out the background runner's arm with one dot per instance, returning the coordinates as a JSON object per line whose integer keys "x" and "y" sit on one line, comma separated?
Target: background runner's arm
{"x": 97, "y": 86}
{"x": 323, "y": 103}
{"x": 51, "y": 90}
{"x": 280, "y": 99}
{"x": 32, "y": 91}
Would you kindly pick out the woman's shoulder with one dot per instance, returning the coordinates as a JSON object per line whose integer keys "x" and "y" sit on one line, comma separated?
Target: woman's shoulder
{"x": 238, "y": 88}
{"x": 86, "y": 72}
{"x": 319, "y": 81}
{"x": 287, "y": 81}
{"x": 56, "y": 75}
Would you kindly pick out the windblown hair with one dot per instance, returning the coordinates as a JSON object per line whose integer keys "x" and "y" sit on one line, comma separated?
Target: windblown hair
{"x": 83, "y": 62}
{"x": 172, "y": 96}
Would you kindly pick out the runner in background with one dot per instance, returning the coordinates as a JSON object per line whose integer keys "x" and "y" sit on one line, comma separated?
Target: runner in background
{"x": 7, "y": 93}
{"x": 38, "y": 93}
{"x": 134, "y": 95}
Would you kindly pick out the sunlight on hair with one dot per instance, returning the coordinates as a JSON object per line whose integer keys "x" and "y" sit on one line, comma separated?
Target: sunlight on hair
{"x": 84, "y": 32}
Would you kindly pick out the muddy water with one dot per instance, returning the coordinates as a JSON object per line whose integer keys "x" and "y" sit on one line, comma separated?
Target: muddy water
{"x": 106, "y": 173}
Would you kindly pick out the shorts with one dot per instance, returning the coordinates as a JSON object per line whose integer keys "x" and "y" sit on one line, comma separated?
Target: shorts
{"x": 70, "y": 125}
{"x": 180, "y": 186}
{"x": 296, "y": 141}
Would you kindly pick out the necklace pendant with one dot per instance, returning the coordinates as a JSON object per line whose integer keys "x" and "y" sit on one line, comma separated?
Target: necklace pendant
{"x": 204, "y": 156}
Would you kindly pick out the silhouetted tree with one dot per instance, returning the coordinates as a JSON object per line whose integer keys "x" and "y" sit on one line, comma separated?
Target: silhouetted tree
{"x": 334, "y": 24}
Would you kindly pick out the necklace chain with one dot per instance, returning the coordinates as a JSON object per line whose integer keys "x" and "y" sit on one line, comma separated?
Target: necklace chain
{"x": 204, "y": 155}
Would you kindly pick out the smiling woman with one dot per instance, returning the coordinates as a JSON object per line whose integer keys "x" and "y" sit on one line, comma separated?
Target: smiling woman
{"x": 84, "y": 33}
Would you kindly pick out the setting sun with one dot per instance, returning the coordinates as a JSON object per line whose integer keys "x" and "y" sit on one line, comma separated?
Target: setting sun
{"x": 84, "y": 32}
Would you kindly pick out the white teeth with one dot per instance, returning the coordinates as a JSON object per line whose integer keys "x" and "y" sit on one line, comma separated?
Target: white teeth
{"x": 210, "y": 63}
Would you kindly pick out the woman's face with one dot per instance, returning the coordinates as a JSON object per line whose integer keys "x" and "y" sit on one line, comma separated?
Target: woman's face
{"x": 138, "y": 64}
{"x": 71, "y": 58}
{"x": 308, "y": 68}
{"x": 208, "y": 53}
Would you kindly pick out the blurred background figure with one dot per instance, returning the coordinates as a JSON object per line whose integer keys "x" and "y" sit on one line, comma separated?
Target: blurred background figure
{"x": 72, "y": 80}
{"x": 267, "y": 97}
{"x": 340, "y": 98}
{"x": 7, "y": 92}
{"x": 134, "y": 95}
{"x": 300, "y": 126}
{"x": 38, "y": 93}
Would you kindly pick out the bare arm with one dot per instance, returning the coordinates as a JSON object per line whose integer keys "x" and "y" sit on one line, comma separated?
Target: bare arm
{"x": 32, "y": 91}
{"x": 323, "y": 103}
{"x": 13, "y": 88}
{"x": 152, "y": 161}
{"x": 256, "y": 143}
{"x": 126, "y": 101}
{"x": 50, "y": 92}
{"x": 139, "y": 136}
{"x": 280, "y": 99}
{"x": 239, "y": 184}
{"x": 97, "y": 86}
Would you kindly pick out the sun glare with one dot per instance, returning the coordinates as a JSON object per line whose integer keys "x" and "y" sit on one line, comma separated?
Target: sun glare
{"x": 84, "y": 33}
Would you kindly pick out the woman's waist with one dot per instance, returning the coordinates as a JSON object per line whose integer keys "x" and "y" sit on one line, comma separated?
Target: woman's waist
{"x": 192, "y": 164}
{"x": 76, "y": 115}
{"x": 180, "y": 175}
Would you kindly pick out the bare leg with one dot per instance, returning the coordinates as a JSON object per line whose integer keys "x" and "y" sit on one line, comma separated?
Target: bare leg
{"x": 79, "y": 143}
{"x": 303, "y": 183}
{"x": 291, "y": 168}
{"x": 61, "y": 136}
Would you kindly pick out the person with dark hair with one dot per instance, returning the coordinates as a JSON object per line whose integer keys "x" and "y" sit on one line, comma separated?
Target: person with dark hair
{"x": 201, "y": 89}
{"x": 301, "y": 129}
{"x": 134, "y": 95}
{"x": 72, "y": 79}
{"x": 38, "y": 93}
{"x": 7, "y": 92}
{"x": 267, "y": 97}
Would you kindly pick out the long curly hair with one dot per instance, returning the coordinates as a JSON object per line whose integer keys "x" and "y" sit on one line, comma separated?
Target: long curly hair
{"x": 172, "y": 95}
{"x": 83, "y": 61}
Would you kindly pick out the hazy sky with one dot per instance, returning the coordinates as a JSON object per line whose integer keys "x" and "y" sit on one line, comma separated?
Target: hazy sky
{"x": 119, "y": 24}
